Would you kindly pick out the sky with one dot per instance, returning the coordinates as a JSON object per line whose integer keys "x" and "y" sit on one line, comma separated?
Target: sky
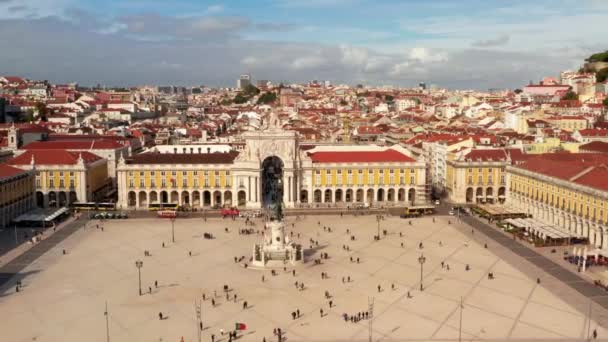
{"x": 461, "y": 44}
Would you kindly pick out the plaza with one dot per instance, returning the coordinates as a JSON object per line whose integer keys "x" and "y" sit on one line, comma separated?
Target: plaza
{"x": 63, "y": 297}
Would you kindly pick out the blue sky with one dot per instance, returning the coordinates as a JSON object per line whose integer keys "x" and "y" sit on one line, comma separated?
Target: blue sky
{"x": 459, "y": 44}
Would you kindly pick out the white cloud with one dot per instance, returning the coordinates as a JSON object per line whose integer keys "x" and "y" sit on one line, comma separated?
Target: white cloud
{"x": 308, "y": 62}
{"x": 425, "y": 55}
{"x": 215, "y": 9}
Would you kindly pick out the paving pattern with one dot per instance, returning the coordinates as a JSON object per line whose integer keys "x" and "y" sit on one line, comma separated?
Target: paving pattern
{"x": 64, "y": 296}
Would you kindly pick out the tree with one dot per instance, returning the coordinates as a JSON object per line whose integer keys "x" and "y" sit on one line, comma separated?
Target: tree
{"x": 605, "y": 102}
{"x": 267, "y": 97}
{"x": 240, "y": 99}
{"x": 518, "y": 91}
{"x": 343, "y": 102}
{"x": 570, "y": 95}
{"x": 601, "y": 75}
{"x": 250, "y": 90}
{"x": 389, "y": 98}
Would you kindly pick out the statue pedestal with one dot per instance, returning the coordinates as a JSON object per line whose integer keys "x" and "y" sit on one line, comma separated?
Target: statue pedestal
{"x": 276, "y": 250}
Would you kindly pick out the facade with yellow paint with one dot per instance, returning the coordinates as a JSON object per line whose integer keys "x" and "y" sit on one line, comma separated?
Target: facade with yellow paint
{"x": 568, "y": 191}
{"x": 63, "y": 177}
{"x": 16, "y": 193}
{"x": 307, "y": 175}
{"x": 479, "y": 175}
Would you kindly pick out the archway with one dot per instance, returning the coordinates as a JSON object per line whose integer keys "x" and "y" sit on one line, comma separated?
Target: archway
{"x": 52, "y": 199}
{"x": 411, "y": 195}
{"x": 72, "y": 198}
{"x": 370, "y": 196}
{"x": 469, "y": 195}
{"x": 303, "y": 196}
{"x": 317, "y": 196}
{"x": 338, "y": 195}
{"x": 153, "y": 197}
{"x": 185, "y": 198}
{"x": 242, "y": 198}
{"x": 390, "y": 196}
{"x": 380, "y": 195}
{"x": 143, "y": 199}
{"x": 479, "y": 195}
{"x": 164, "y": 197}
{"x": 196, "y": 199}
{"x": 272, "y": 181}
{"x": 217, "y": 198}
{"x": 359, "y": 195}
{"x": 228, "y": 197}
{"x": 132, "y": 200}
{"x": 501, "y": 194}
{"x": 401, "y": 195}
{"x": 349, "y": 195}
{"x": 63, "y": 199}
{"x": 174, "y": 197}
{"x": 327, "y": 198}
{"x": 206, "y": 198}
{"x": 490, "y": 195}
{"x": 39, "y": 199}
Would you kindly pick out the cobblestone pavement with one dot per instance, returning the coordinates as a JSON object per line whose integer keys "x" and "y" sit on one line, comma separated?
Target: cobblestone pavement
{"x": 63, "y": 296}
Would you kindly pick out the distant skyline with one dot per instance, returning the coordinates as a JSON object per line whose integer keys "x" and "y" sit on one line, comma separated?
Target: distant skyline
{"x": 457, "y": 44}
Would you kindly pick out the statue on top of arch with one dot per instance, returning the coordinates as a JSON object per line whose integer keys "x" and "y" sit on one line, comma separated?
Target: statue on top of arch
{"x": 273, "y": 122}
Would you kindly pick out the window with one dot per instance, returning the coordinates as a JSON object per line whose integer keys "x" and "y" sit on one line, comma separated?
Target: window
{"x": 162, "y": 173}
{"x": 317, "y": 172}
{"x": 71, "y": 183}
{"x": 217, "y": 173}
{"x": 184, "y": 173}
{"x": 141, "y": 173}
{"x": 141, "y": 183}
{"x": 370, "y": 171}
{"x": 339, "y": 172}
{"x": 152, "y": 173}
{"x": 490, "y": 170}
{"x": 207, "y": 182}
{"x": 196, "y": 182}
{"x": 131, "y": 183}
{"x": 470, "y": 181}
{"x": 391, "y": 171}
{"x": 60, "y": 173}
{"x": 502, "y": 179}
{"x": 490, "y": 180}
{"x": 360, "y": 171}
{"x": 196, "y": 173}
{"x": 350, "y": 172}
{"x": 71, "y": 173}
{"x": 412, "y": 171}
{"x": 163, "y": 182}
{"x": 227, "y": 173}
{"x": 38, "y": 182}
{"x": 173, "y": 173}
{"x": 184, "y": 182}
{"x": 152, "y": 183}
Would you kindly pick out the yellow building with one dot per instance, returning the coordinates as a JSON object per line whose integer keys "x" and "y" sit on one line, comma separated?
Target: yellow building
{"x": 63, "y": 177}
{"x": 16, "y": 193}
{"x": 479, "y": 176}
{"x": 568, "y": 191}
{"x": 570, "y": 123}
{"x": 549, "y": 145}
{"x": 272, "y": 163}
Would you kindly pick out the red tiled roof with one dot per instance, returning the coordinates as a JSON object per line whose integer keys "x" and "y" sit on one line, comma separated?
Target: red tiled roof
{"x": 594, "y": 132}
{"x": 193, "y": 158}
{"x": 53, "y": 157}
{"x": 7, "y": 171}
{"x": 587, "y": 169}
{"x": 595, "y": 146}
{"x": 389, "y": 155}
{"x": 101, "y": 144}
{"x": 494, "y": 155}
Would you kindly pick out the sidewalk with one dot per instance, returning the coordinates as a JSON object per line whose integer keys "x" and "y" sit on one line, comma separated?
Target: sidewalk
{"x": 20, "y": 257}
{"x": 570, "y": 285}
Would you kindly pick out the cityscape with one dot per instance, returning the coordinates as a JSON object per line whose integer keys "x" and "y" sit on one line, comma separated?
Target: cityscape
{"x": 337, "y": 170}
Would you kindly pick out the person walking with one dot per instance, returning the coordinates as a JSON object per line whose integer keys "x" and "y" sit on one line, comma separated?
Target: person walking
{"x": 321, "y": 312}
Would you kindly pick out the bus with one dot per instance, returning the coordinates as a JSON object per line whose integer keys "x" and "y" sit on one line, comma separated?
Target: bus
{"x": 106, "y": 206}
{"x": 85, "y": 206}
{"x": 162, "y": 206}
{"x": 417, "y": 211}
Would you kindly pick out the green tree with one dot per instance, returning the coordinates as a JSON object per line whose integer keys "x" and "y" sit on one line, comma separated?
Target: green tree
{"x": 601, "y": 75}
{"x": 570, "y": 95}
{"x": 518, "y": 91}
{"x": 605, "y": 102}
{"x": 240, "y": 99}
{"x": 389, "y": 98}
{"x": 267, "y": 97}
{"x": 599, "y": 57}
{"x": 250, "y": 90}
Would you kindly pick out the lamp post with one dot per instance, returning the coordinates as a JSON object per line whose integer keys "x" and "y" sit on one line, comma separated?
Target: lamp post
{"x": 378, "y": 220}
{"x": 139, "y": 264}
{"x": 421, "y": 260}
{"x": 173, "y": 229}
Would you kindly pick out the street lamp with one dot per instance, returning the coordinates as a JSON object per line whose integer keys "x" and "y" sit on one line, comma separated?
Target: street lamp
{"x": 173, "y": 229}
{"x": 139, "y": 264}
{"x": 421, "y": 260}
{"x": 378, "y": 220}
